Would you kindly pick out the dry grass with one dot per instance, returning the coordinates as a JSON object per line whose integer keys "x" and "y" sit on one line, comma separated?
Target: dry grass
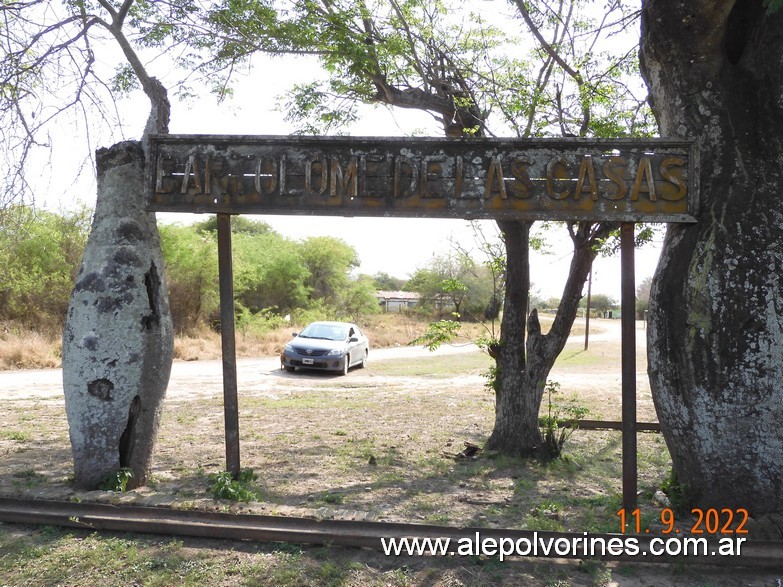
{"x": 29, "y": 350}
{"x": 26, "y": 349}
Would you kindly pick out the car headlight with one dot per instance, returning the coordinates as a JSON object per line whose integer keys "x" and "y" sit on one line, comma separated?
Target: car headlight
{"x": 335, "y": 353}
{"x": 288, "y": 348}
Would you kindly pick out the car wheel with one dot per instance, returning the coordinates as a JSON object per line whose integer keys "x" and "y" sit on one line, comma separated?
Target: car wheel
{"x": 363, "y": 364}
{"x": 347, "y": 364}
{"x": 288, "y": 368}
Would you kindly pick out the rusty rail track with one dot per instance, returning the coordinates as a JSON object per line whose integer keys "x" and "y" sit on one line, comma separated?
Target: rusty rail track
{"x": 263, "y": 528}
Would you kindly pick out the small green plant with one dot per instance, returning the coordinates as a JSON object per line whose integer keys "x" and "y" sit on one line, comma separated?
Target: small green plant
{"x": 677, "y": 493}
{"x": 244, "y": 488}
{"x": 491, "y": 375}
{"x": 559, "y": 423}
{"x": 117, "y": 481}
{"x": 332, "y": 498}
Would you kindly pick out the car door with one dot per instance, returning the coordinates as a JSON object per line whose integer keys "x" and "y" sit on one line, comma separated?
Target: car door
{"x": 356, "y": 347}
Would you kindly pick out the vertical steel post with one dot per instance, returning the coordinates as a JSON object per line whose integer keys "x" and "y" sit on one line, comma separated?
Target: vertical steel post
{"x": 628, "y": 327}
{"x": 228, "y": 343}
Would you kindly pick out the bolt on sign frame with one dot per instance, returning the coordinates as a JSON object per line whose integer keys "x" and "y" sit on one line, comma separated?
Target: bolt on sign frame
{"x": 609, "y": 180}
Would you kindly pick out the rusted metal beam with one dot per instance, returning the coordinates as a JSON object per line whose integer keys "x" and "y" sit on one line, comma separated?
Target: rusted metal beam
{"x": 194, "y": 523}
{"x": 228, "y": 343}
{"x": 628, "y": 329}
{"x": 608, "y": 425}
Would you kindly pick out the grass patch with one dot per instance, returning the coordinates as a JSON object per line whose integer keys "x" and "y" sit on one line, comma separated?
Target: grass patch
{"x": 435, "y": 366}
{"x": 15, "y": 435}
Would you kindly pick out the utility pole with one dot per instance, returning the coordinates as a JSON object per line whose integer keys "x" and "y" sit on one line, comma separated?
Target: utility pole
{"x": 587, "y": 311}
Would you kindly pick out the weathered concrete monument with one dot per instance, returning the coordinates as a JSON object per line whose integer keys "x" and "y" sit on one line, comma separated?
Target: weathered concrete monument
{"x": 118, "y": 336}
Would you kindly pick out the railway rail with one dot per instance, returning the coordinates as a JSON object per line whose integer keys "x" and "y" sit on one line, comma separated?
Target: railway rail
{"x": 362, "y": 534}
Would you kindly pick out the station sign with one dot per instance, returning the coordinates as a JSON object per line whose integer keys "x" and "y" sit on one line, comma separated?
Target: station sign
{"x": 623, "y": 180}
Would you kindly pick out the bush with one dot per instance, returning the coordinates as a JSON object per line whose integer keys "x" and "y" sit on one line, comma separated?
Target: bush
{"x": 244, "y": 488}
{"x": 559, "y": 423}
{"x": 40, "y": 253}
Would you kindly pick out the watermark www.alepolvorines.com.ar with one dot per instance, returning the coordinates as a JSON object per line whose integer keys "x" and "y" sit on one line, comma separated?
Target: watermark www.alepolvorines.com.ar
{"x": 567, "y": 547}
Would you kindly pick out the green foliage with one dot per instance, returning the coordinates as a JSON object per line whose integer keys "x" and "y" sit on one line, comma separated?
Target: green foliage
{"x": 359, "y": 299}
{"x": 244, "y": 488}
{"x": 645, "y": 233}
{"x": 269, "y": 273}
{"x": 191, "y": 267}
{"x": 332, "y": 497}
{"x": 260, "y": 323}
{"x": 553, "y": 433}
{"x": 40, "y": 253}
{"x": 239, "y": 225}
{"x": 384, "y": 281}
{"x": 117, "y": 481}
{"x": 677, "y": 493}
{"x": 599, "y": 302}
{"x": 456, "y": 283}
{"x": 329, "y": 261}
{"x": 438, "y": 333}
{"x": 309, "y": 105}
{"x": 643, "y": 297}
{"x": 492, "y": 375}
{"x": 773, "y": 6}
{"x": 125, "y": 80}
{"x": 273, "y": 276}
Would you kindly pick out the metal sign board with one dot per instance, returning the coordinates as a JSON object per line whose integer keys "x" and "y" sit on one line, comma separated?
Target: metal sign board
{"x": 623, "y": 180}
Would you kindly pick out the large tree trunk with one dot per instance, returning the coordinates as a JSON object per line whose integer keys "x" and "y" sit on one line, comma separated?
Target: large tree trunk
{"x": 715, "y": 337}
{"x": 117, "y": 340}
{"x": 516, "y": 410}
{"x": 523, "y": 364}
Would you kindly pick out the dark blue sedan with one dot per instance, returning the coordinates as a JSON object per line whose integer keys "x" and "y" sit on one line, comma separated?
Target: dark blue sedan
{"x": 330, "y": 346}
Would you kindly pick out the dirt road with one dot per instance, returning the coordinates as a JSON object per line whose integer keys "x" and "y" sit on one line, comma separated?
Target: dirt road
{"x": 262, "y": 376}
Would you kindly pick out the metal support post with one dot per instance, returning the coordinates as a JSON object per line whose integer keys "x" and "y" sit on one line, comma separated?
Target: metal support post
{"x": 228, "y": 343}
{"x": 628, "y": 327}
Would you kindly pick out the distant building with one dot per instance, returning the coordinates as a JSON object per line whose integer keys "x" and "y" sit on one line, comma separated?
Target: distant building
{"x": 397, "y": 301}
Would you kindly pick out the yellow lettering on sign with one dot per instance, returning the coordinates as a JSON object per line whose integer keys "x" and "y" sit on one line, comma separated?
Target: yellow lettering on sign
{"x": 399, "y": 189}
{"x": 521, "y": 187}
{"x": 347, "y": 181}
{"x": 431, "y": 169}
{"x": 586, "y": 172}
{"x": 644, "y": 175}
{"x": 266, "y": 171}
{"x": 668, "y": 175}
{"x": 556, "y": 169}
{"x": 615, "y": 175}
{"x": 495, "y": 174}
{"x": 191, "y": 170}
{"x": 163, "y": 183}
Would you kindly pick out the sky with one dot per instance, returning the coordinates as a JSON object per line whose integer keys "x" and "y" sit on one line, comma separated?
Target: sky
{"x": 396, "y": 246}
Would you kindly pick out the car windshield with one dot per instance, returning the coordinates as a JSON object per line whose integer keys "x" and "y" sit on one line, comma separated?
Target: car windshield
{"x": 325, "y": 332}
